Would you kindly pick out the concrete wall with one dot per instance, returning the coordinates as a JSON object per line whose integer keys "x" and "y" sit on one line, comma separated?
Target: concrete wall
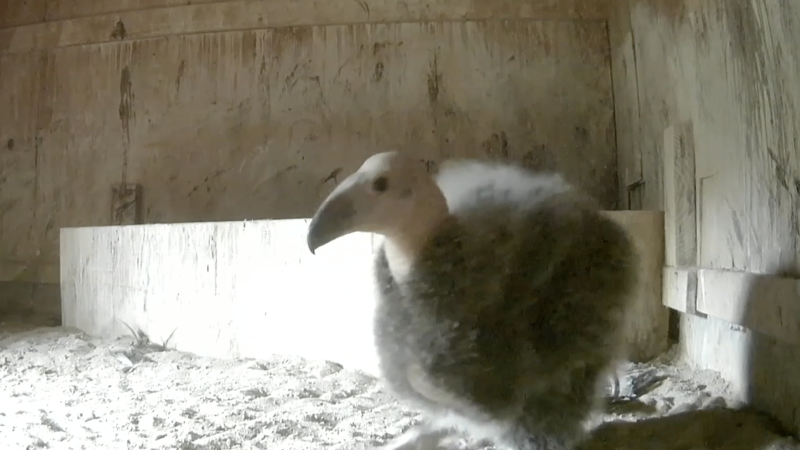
{"x": 707, "y": 97}
{"x": 169, "y": 111}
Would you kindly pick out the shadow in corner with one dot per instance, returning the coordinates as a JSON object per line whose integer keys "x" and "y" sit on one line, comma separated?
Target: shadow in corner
{"x": 26, "y": 306}
{"x": 772, "y": 366}
{"x": 720, "y": 429}
{"x": 769, "y": 372}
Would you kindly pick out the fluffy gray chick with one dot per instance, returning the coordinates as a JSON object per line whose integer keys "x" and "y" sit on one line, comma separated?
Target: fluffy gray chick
{"x": 502, "y": 296}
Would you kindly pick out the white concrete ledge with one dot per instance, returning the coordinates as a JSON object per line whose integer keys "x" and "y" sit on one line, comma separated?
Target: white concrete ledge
{"x": 768, "y": 304}
{"x": 252, "y": 289}
{"x": 226, "y": 289}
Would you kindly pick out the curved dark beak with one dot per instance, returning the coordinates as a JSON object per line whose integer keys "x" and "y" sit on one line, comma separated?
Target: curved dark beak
{"x": 333, "y": 219}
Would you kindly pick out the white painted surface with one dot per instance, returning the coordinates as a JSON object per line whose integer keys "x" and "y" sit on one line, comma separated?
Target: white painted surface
{"x": 228, "y": 289}
{"x": 252, "y": 289}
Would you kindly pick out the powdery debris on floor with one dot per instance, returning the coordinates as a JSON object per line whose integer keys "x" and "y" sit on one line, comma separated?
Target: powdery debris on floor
{"x": 61, "y": 389}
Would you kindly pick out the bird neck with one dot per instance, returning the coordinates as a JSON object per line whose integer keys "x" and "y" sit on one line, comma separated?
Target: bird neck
{"x": 404, "y": 245}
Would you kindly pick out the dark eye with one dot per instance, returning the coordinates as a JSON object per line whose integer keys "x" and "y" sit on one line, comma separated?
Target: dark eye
{"x": 380, "y": 184}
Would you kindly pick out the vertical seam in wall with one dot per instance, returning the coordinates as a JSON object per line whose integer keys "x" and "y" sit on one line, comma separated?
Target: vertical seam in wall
{"x": 637, "y": 130}
{"x": 617, "y": 200}
{"x": 41, "y": 98}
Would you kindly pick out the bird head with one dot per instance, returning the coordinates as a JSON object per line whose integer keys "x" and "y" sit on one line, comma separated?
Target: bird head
{"x": 390, "y": 194}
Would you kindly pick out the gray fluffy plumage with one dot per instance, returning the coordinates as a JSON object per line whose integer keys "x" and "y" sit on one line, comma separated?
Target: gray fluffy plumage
{"x": 512, "y": 314}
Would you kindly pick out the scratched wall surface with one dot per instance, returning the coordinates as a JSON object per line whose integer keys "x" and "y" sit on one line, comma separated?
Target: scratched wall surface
{"x": 261, "y": 123}
{"x": 91, "y": 20}
{"x": 732, "y": 70}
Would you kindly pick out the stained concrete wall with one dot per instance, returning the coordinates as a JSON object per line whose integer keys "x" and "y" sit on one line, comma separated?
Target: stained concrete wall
{"x": 165, "y": 111}
{"x": 707, "y": 95}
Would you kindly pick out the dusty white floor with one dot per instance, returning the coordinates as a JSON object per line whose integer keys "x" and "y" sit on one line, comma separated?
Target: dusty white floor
{"x": 61, "y": 389}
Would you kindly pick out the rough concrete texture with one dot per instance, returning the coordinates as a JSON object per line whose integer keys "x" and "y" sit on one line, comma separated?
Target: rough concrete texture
{"x": 60, "y": 388}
